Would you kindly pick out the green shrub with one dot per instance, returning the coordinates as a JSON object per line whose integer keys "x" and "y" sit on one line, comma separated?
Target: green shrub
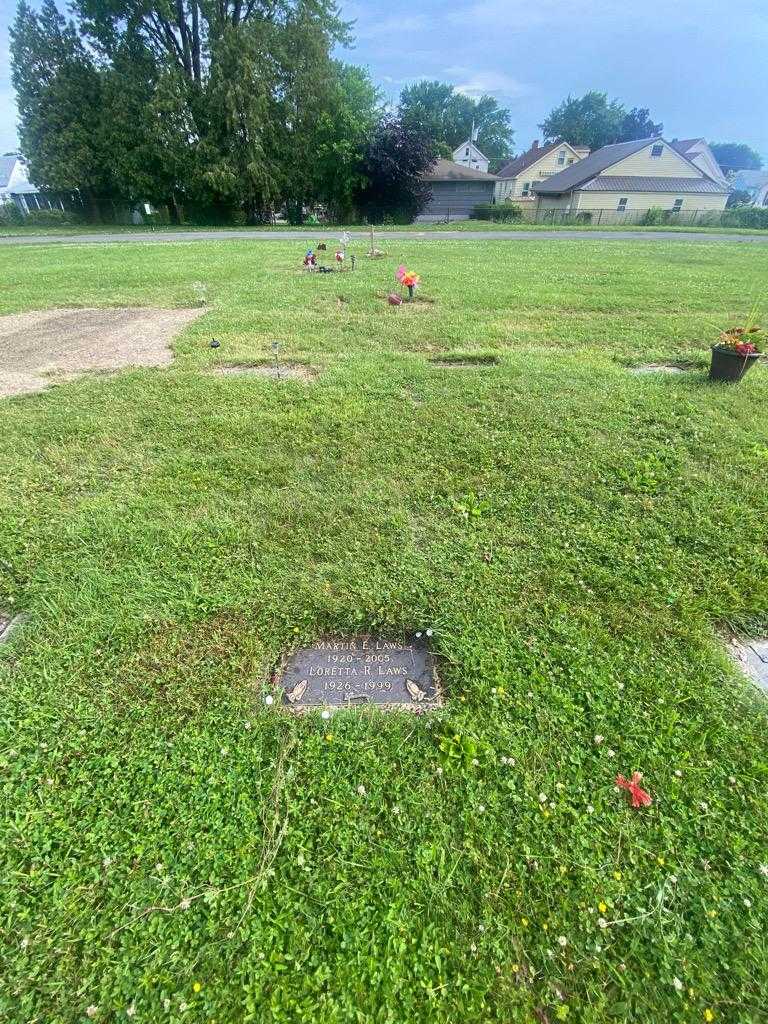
{"x": 746, "y": 217}
{"x": 654, "y": 216}
{"x": 50, "y": 218}
{"x": 10, "y": 215}
{"x": 498, "y": 211}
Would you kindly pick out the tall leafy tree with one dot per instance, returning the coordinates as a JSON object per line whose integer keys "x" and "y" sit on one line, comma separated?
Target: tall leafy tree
{"x": 637, "y": 124}
{"x": 736, "y": 156}
{"x": 59, "y": 91}
{"x": 392, "y": 167}
{"x": 230, "y": 104}
{"x": 436, "y": 108}
{"x": 593, "y": 120}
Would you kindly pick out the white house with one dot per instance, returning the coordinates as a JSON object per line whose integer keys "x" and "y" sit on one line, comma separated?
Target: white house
{"x": 632, "y": 178}
{"x": 518, "y": 176}
{"x": 469, "y": 155}
{"x": 15, "y": 186}
{"x": 699, "y": 153}
{"x": 753, "y": 182}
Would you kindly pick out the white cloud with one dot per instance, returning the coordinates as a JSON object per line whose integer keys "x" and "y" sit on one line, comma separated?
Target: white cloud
{"x": 493, "y": 83}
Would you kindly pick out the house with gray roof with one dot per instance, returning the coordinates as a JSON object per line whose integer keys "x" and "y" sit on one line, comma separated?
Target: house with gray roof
{"x": 625, "y": 180}
{"x": 15, "y": 186}
{"x": 456, "y": 191}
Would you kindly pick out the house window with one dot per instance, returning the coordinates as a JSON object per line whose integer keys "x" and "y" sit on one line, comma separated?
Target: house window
{"x": 526, "y": 188}
{"x": 570, "y": 160}
{"x": 622, "y": 206}
{"x": 561, "y": 158}
{"x": 677, "y": 206}
{"x": 657, "y": 150}
{"x": 466, "y": 151}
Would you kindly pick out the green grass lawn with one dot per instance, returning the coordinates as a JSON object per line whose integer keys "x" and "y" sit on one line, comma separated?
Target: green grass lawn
{"x": 574, "y": 534}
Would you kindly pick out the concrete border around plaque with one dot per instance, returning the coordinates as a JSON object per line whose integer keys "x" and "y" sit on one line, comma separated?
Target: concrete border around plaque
{"x": 751, "y": 656}
{"x": 360, "y": 671}
{"x": 9, "y": 623}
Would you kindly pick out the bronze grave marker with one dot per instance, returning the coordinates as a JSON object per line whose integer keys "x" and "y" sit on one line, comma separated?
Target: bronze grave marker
{"x": 359, "y": 670}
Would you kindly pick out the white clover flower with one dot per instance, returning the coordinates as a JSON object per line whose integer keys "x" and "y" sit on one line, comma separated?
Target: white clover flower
{"x": 106, "y": 862}
{"x": 599, "y": 739}
{"x": 602, "y": 923}
{"x": 679, "y": 986}
{"x": 25, "y": 942}
{"x": 611, "y": 753}
{"x": 438, "y": 770}
{"x": 764, "y": 870}
{"x": 747, "y": 904}
{"x": 704, "y": 805}
{"x": 395, "y": 809}
{"x": 732, "y": 779}
{"x": 247, "y": 725}
{"x": 49, "y": 782}
{"x": 590, "y": 809}
{"x": 429, "y": 632}
{"x": 563, "y": 941}
{"x": 493, "y": 689}
{"x": 418, "y": 635}
{"x": 130, "y": 1012}
{"x": 475, "y": 762}
{"x": 167, "y": 1002}
{"x": 91, "y": 1011}
{"x": 183, "y": 1007}
{"x": 481, "y": 927}
{"x": 325, "y": 715}
{"x": 620, "y": 686}
{"x": 543, "y": 798}
{"x": 481, "y": 808}
{"x": 678, "y": 773}
{"x": 224, "y": 751}
{"x": 269, "y": 699}
{"x": 673, "y": 879}
{"x": 361, "y": 791}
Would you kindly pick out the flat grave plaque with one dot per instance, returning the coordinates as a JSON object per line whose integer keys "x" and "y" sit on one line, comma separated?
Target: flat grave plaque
{"x": 358, "y": 670}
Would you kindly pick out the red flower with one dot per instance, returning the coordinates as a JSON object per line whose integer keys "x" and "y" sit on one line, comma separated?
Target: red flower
{"x": 745, "y": 348}
{"x": 639, "y": 796}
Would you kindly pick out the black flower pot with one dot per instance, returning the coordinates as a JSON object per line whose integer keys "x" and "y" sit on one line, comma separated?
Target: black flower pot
{"x": 729, "y": 365}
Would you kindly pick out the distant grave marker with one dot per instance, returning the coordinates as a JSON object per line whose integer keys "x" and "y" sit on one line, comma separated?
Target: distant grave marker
{"x": 359, "y": 670}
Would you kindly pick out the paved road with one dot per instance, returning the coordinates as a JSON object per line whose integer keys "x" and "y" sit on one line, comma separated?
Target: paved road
{"x": 381, "y": 238}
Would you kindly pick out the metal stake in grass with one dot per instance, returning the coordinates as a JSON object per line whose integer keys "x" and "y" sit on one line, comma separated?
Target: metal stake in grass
{"x": 276, "y": 353}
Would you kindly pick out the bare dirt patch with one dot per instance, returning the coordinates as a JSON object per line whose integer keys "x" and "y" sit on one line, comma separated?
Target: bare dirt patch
{"x": 279, "y": 371}
{"x": 661, "y": 368}
{"x": 35, "y": 348}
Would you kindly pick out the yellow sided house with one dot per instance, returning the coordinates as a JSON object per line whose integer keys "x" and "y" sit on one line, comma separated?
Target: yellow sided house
{"x": 517, "y": 177}
{"x": 622, "y": 182}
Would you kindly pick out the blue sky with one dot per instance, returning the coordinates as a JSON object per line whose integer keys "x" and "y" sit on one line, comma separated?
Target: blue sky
{"x": 700, "y": 65}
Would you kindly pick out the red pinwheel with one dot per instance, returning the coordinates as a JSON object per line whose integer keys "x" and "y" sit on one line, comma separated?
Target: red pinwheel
{"x": 639, "y": 796}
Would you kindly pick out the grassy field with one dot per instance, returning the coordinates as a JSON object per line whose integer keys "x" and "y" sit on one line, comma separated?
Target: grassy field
{"x": 333, "y": 230}
{"x": 575, "y": 535}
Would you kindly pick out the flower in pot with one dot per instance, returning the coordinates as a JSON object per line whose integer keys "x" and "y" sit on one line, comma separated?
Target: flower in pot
{"x": 738, "y": 349}
{"x": 407, "y": 280}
